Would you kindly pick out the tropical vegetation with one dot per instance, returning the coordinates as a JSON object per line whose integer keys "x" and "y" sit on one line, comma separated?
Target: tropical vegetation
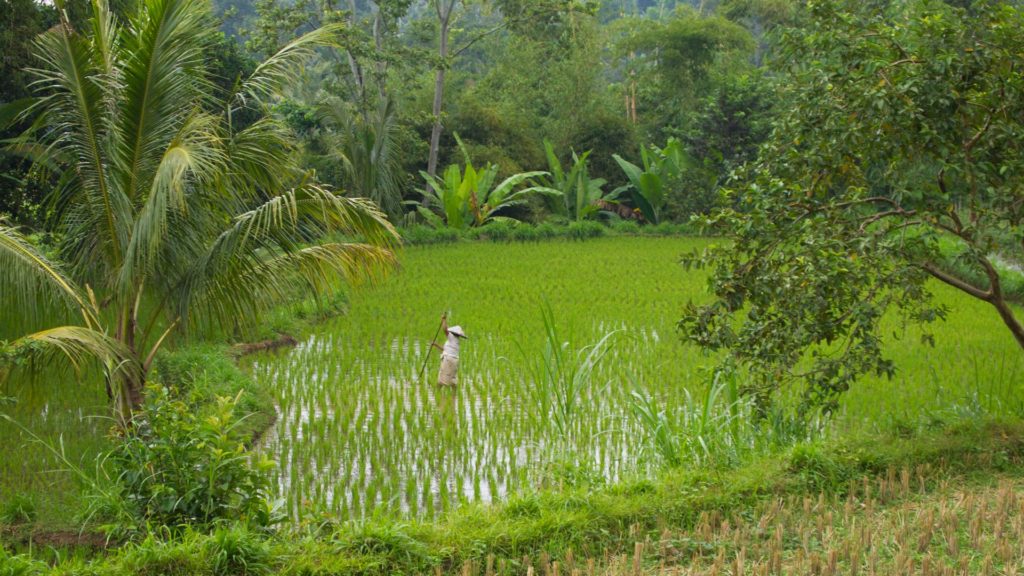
{"x": 168, "y": 215}
{"x": 740, "y": 283}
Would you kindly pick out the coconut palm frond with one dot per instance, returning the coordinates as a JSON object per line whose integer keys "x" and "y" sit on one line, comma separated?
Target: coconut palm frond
{"x": 286, "y": 64}
{"x": 247, "y": 261}
{"x": 77, "y": 95}
{"x": 162, "y": 60}
{"x": 259, "y": 157}
{"x": 79, "y": 345}
{"x": 33, "y": 283}
{"x": 194, "y": 157}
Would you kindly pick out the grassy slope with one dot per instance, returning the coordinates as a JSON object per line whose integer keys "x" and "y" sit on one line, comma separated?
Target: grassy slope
{"x": 828, "y": 499}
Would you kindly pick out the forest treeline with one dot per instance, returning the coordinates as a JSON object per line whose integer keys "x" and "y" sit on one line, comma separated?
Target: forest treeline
{"x": 512, "y": 86}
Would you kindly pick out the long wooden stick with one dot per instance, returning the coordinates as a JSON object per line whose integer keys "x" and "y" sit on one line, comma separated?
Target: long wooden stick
{"x": 426, "y": 359}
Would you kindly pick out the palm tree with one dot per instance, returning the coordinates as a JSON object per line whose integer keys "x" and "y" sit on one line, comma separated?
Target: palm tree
{"x": 366, "y": 147}
{"x": 167, "y": 214}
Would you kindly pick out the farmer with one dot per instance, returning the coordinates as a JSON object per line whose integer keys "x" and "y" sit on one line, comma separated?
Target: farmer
{"x": 449, "y": 372}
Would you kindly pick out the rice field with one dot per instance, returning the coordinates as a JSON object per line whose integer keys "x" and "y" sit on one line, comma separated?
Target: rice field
{"x": 360, "y": 434}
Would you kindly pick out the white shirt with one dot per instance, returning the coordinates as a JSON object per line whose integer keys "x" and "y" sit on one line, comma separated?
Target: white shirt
{"x": 451, "y": 347}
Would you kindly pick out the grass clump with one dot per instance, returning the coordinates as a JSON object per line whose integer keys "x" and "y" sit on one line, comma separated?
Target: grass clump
{"x": 18, "y": 509}
{"x": 235, "y": 551}
{"x": 20, "y": 565}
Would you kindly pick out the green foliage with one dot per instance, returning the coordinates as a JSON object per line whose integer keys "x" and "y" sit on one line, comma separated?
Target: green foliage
{"x": 389, "y": 543}
{"x": 672, "y": 63}
{"x": 181, "y": 465}
{"x": 470, "y": 197}
{"x": 17, "y": 509}
{"x": 731, "y": 122}
{"x": 20, "y": 565}
{"x": 366, "y": 146}
{"x": 555, "y": 521}
{"x": 585, "y": 229}
{"x": 235, "y": 551}
{"x": 650, "y": 186}
{"x": 902, "y": 131}
{"x": 206, "y": 372}
{"x": 718, "y": 428}
{"x": 155, "y": 556}
{"x": 574, "y": 194}
{"x": 561, "y": 374}
{"x": 164, "y": 198}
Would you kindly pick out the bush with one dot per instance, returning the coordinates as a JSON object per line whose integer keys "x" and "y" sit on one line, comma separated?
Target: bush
{"x": 626, "y": 227}
{"x": 418, "y": 235}
{"x": 499, "y": 231}
{"x": 447, "y": 235}
{"x": 554, "y": 227}
{"x": 525, "y": 233}
{"x": 206, "y": 372}
{"x": 546, "y": 231}
{"x": 585, "y": 229}
{"x": 182, "y": 465}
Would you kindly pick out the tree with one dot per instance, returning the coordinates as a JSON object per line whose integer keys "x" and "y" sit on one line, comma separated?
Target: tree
{"x": 903, "y": 134}
{"x": 167, "y": 214}
{"x": 366, "y": 149}
{"x": 670, "y": 64}
{"x": 558, "y": 23}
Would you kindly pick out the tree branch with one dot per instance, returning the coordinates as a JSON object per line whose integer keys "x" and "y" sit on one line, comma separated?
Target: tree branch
{"x": 479, "y": 37}
{"x": 880, "y": 215}
{"x": 957, "y": 283}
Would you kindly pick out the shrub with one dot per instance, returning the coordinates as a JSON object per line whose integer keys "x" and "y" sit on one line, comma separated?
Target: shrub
{"x": 447, "y": 235}
{"x": 181, "y": 465}
{"x": 525, "y": 233}
{"x": 499, "y": 231}
{"x": 664, "y": 229}
{"x": 628, "y": 227}
{"x": 206, "y": 372}
{"x": 585, "y": 229}
{"x": 546, "y": 230}
{"x": 418, "y": 235}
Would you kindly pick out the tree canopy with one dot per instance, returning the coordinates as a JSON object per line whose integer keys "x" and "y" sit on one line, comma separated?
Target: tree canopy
{"x": 897, "y": 161}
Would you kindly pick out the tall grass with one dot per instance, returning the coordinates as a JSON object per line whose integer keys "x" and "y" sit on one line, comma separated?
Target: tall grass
{"x": 561, "y": 374}
{"x": 717, "y": 426}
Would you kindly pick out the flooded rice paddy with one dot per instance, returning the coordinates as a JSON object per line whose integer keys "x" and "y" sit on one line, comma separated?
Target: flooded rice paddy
{"x": 358, "y": 432}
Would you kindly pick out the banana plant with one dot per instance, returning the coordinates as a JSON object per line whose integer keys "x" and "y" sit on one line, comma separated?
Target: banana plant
{"x": 468, "y": 197}
{"x": 649, "y": 185}
{"x": 573, "y": 194}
